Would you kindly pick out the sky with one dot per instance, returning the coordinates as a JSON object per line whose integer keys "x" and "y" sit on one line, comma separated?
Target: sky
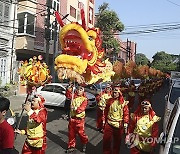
{"x": 140, "y": 14}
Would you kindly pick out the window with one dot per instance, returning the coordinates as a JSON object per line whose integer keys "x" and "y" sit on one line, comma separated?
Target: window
{"x": 175, "y": 92}
{"x": 171, "y": 118}
{"x": 1, "y": 12}
{"x": 4, "y": 12}
{"x": 90, "y": 15}
{"x": 176, "y": 134}
{"x": 3, "y": 67}
{"x": 49, "y": 88}
{"x": 55, "y": 5}
{"x": 59, "y": 89}
{"x": 26, "y": 23}
{"x": 72, "y": 11}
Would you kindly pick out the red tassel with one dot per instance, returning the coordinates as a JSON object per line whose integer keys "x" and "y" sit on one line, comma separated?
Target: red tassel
{"x": 59, "y": 19}
{"x": 83, "y": 19}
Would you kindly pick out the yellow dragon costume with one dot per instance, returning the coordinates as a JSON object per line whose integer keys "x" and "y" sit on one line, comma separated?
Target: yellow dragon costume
{"x": 81, "y": 54}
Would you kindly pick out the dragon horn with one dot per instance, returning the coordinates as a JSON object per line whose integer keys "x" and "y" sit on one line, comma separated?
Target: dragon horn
{"x": 83, "y": 19}
{"x": 58, "y": 18}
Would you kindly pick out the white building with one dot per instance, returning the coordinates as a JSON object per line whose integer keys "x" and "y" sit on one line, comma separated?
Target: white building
{"x": 7, "y": 56}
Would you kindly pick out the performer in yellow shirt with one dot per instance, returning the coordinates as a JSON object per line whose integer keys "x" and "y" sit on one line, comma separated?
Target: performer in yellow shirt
{"x": 77, "y": 120}
{"x": 117, "y": 119}
{"x": 36, "y": 127}
{"x": 102, "y": 99}
{"x": 144, "y": 125}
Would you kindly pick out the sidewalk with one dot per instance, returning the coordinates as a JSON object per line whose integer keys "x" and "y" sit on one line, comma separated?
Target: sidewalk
{"x": 17, "y": 101}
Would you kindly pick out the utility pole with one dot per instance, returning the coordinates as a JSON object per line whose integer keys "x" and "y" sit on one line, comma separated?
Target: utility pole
{"x": 135, "y": 51}
{"x": 54, "y": 50}
{"x": 47, "y": 30}
{"x": 130, "y": 57}
{"x": 128, "y": 50}
{"x": 12, "y": 45}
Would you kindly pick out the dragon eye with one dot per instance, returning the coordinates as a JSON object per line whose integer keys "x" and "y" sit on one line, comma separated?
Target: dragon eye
{"x": 90, "y": 38}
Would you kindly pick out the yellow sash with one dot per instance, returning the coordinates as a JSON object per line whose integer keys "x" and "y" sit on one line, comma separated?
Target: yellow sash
{"x": 35, "y": 133}
{"x": 115, "y": 114}
{"x": 144, "y": 129}
{"x": 75, "y": 104}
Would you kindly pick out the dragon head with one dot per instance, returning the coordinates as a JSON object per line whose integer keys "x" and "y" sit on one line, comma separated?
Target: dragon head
{"x": 81, "y": 52}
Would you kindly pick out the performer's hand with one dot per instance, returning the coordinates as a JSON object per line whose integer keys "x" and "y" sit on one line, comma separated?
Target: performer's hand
{"x": 27, "y": 106}
{"x": 17, "y": 131}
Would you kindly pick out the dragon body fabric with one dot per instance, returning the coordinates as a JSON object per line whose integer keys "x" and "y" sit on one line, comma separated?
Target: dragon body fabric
{"x": 82, "y": 53}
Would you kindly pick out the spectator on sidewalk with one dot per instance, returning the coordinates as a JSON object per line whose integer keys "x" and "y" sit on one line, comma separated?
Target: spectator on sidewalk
{"x": 6, "y": 130}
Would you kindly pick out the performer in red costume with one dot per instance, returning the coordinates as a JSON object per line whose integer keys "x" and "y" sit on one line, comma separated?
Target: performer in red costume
{"x": 144, "y": 124}
{"x": 77, "y": 120}
{"x": 102, "y": 99}
{"x": 36, "y": 126}
{"x": 117, "y": 119}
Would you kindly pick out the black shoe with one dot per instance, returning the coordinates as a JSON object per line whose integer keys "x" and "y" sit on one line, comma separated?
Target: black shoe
{"x": 84, "y": 148}
{"x": 65, "y": 117}
{"x": 70, "y": 150}
{"x": 98, "y": 129}
{"x": 102, "y": 131}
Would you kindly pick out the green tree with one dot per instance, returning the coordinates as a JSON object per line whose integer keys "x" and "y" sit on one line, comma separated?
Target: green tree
{"x": 141, "y": 59}
{"x": 163, "y": 62}
{"x": 109, "y": 23}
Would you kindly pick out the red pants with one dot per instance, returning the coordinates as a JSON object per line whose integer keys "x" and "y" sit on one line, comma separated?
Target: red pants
{"x": 109, "y": 134}
{"x": 100, "y": 119}
{"x": 131, "y": 101}
{"x": 135, "y": 150}
{"x": 76, "y": 126}
{"x": 29, "y": 150}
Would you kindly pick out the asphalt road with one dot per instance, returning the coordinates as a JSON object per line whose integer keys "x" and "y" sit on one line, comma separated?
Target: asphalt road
{"x": 57, "y": 132}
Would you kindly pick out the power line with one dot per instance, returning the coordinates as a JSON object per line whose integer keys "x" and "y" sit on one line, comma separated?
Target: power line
{"x": 153, "y": 25}
{"x": 155, "y": 30}
{"x": 173, "y": 3}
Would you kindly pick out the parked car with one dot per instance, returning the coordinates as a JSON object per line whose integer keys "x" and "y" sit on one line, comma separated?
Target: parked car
{"x": 137, "y": 82}
{"x": 170, "y": 137}
{"x": 54, "y": 94}
{"x": 170, "y": 99}
{"x": 95, "y": 89}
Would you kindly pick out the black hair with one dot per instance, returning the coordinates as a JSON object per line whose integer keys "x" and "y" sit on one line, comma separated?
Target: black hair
{"x": 4, "y": 104}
